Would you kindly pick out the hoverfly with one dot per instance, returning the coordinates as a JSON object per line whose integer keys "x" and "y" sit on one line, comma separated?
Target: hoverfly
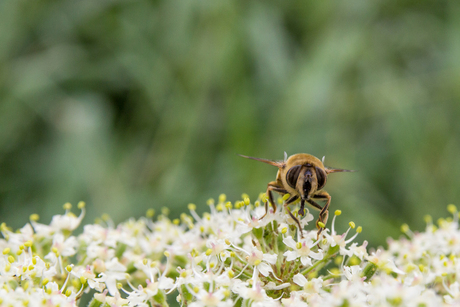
{"x": 302, "y": 176}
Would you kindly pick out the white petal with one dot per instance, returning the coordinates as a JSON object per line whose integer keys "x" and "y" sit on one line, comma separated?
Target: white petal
{"x": 290, "y": 242}
{"x": 166, "y": 283}
{"x": 299, "y": 279}
{"x": 305, "y": 260}
{"x": 316, "y": 256}
{"x": 290, "y": 255}
{"x": 264, "y": 269}
{"x": 270, "y": 258}
{"x": 111, "y": 284}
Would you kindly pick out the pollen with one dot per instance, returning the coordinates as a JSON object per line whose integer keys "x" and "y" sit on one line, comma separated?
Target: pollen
{"x": 247, "y": 201}
{"x": 286, "y": 196}
{"x": 222, "y": 198}
{"x": 359, "y": 229}
{"x": 352, "y": 225}
{"x": 34, "y": 217}
{"x": 338, "y": 212}
{"x": 428, "y": 219}
{"x": 321, "y": 224}
{"x": 208, "y": 252}
{"x": 338, "y": 260}
{"x": 404, "y": 228}
{"x": 67, "y": 206}
{"x": 228, "y": 205}
{"x": 210, "y": 202}
{"x": 192, "y": 207}
{"x": 264, "y": 197}
{"x": 451, "y": 208}
{"x": 81, "y": 205}
{"x": 45, "y": 281}
{"x": 335, "y": 271}
{"x": 6, "y": 250}
{"x": 4, "y": 227}
{"x": 150, "y": 213}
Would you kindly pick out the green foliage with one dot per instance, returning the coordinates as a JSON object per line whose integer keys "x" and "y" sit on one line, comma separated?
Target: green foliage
{"x": 136, "y": 104}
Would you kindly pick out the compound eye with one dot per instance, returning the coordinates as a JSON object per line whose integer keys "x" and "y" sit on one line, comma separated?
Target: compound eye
{"x": 292, "y": 175}
{"x": 321, "y": 177}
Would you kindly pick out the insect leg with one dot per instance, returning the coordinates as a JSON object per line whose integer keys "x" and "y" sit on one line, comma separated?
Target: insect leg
{"x": 302, "y": 208}
{"x": 288, "y": 201}
{"x": 314, "y": 204}
{"x": 323, "y": 215}
{"x": 272, "y": 186}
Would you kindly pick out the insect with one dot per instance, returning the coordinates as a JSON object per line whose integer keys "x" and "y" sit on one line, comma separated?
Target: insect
{"x": 302, "y": 176}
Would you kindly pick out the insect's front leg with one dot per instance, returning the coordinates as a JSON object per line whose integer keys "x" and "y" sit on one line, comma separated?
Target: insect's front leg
{"x": 272, "y": 186}
{"x": 323, "y": 215}
{"x": 290, "y": 200}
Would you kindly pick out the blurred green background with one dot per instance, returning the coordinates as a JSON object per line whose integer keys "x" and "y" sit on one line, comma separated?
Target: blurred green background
{"x": 130, "y": 105}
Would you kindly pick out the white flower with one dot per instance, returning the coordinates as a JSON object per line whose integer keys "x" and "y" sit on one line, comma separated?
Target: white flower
{"x": 261, "y": 261}
{"x": 302, "y": 250}
{"x": 383, "y": 261}
{"x": 97, "y": 251}
{"x": 359, "y": 251}
{"x": 352, "y": 273}
{"x": 65, "y": 247}
{"x": 88, "y": 274}
{"x": 454, "y": 294}
{"x": 67, "y": 221}
{"x": 294, "y": 301}
{"x": 114, "y": 271}
{"x": 258, "y": 296}
{"x": 310, "y": 286}
{"x": 211, "y": 299}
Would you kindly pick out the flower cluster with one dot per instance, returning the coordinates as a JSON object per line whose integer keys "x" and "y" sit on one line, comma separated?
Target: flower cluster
{"x": 225, "y": 257}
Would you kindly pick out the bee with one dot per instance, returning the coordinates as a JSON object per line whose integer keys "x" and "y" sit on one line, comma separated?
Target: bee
{"x": 302, "y": 176}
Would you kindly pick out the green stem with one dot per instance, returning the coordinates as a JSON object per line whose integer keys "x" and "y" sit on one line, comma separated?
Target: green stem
{"x": 321, "y": 263}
